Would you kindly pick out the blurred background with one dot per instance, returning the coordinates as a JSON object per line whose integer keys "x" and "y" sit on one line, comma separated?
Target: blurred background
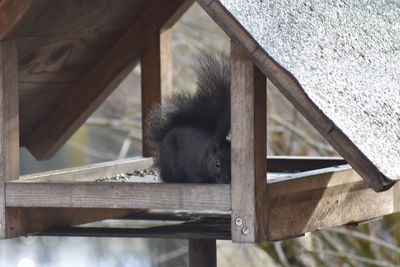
{"x": 114, "y": 132}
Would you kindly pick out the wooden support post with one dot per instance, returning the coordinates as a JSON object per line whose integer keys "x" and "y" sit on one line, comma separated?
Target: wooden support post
{"x": 151, "y": 83}
{"x": 156, "y": 66}
{"x": 9, "y": 125}
{"x": 166, "y": 63}
{"x": 248, "y": 117}
{"x": 202, "y": 252}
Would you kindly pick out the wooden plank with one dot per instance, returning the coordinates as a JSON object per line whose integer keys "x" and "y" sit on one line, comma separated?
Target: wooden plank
{"x": 9, "y": 126}
{"x": 99, "y": 82}
{"x": 65, "y": 58}
{"x": 119, "y": 195}
{"x": 396, "y": 197}
{"x": 151, "y": 84}
{"x": 177, "y": 232}
{"x": 320, "y": 201}
{"x": 301, "y": 164}
{"x": 248, "y": 117}
{"x": 36, "y": 220}
{"x": 166, "y": 63}
{"x": 11, "y": 13}
{"x": 202, "y": 253}
{"x": 54, "y": 18}
{"x": 89, "y": 172}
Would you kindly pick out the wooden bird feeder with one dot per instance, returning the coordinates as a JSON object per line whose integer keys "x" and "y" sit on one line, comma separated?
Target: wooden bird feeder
{"x": 59, "y": 60}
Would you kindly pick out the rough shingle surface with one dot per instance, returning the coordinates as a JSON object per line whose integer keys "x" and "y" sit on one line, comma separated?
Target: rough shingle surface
{"x": 346, "y": 56}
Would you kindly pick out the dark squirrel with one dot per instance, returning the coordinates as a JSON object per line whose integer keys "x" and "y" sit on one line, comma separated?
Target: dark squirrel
{"x": 189, "y": 131}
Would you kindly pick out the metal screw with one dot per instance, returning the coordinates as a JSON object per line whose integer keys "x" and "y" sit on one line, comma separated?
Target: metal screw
{"x": 238, "y": 221}
{"x": 245, "y": 230}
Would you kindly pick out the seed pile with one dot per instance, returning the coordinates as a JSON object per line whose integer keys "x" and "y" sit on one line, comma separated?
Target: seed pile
{"x": 124, "y": 177}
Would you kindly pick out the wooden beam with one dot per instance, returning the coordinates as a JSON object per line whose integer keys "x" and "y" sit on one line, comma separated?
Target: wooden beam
{"x": 156, "y": 69}
{"x": 99, "y": 82}
{"x": 89, "y": 172}
{"x": 248, "y": 117}
{"x": 319, "y": 201}
{"x": 11, "y": 13}
{"x": 27, "y": 221}
{"x": 119, "y": 195}
{"x": 9, "y": 126}
{"x": 202, "y": 252}
{"x": 301, "y": 164}
{"x": 151, "y": 84}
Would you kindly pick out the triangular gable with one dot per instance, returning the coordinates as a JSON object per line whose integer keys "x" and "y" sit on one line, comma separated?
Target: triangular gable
{"x": 341, "y": 60}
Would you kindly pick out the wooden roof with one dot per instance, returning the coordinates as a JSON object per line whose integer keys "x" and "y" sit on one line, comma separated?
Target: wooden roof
{"x": 71, "y": 55}
{"x": 337, "y": 64}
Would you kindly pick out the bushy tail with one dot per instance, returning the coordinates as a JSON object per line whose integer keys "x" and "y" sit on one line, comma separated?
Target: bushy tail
{"x": 208, "y": 108}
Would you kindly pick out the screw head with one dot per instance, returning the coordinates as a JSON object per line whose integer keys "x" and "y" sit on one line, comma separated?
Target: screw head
{"x": 239, "y": 221}
{"x": 245, "y": 230}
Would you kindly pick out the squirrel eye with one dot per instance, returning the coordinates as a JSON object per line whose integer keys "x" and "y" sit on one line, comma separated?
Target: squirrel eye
{"x": 218, "y": 164}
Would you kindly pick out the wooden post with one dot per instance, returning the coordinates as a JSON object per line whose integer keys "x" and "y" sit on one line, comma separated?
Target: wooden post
{"x": 157, "y": 67}
{"x": 9, "y": 125}
{"x": 202, "y": 252}
{"x": 166, "y": 63}
{"x": 151, "y": 83}
{"x": 248, "y": 117}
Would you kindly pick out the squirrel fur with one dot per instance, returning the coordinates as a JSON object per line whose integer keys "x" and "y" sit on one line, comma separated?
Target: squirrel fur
{"x": 189, "y": 131}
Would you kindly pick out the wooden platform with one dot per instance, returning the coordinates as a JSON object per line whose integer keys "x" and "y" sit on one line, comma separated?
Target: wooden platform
{"x": 301, "y": 200}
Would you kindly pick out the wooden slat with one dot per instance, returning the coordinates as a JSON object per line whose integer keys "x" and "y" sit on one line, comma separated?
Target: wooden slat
{"x": 248, "y": 117}
{"x": 99, "y": 82}
{"x": 301, "y": 164}
{"x": 156, "y": 68}
{"x": 52, "y": 18}
{"x": 9, "y": 126}
{"x": 11, "y": 13}
{"x": 202, "y": 253}
{"x": 118, "y": 195}
{"x": 36, "y": 220}
{"x": 325, "y": 200}
{"x": 59, "y": 59}
{"x": 151, "y": 83}
{"x": 89, "y": 172}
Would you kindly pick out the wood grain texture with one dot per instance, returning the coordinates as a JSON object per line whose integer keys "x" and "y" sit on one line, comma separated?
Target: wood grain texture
{"x": 36, "y": 101}
{"x": 248, "y": 117}
{"x": 151, "y": 83}
{"x": 11, "y": 13}
{"x": 36, "y": 220}
{"x": 65, "y": 58}
{"x": 315, "y": 202}
{"x": 118, "y": 195}
{"x": 100, "y": 81}
{"x": 9, "y": 125}
{"x": 60, "y": 18}
{"x": 166, "y": 58}
{"x": 289, "y": 86}
{"x": 202, "y": 252}
{"x": 89, "y": 172}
